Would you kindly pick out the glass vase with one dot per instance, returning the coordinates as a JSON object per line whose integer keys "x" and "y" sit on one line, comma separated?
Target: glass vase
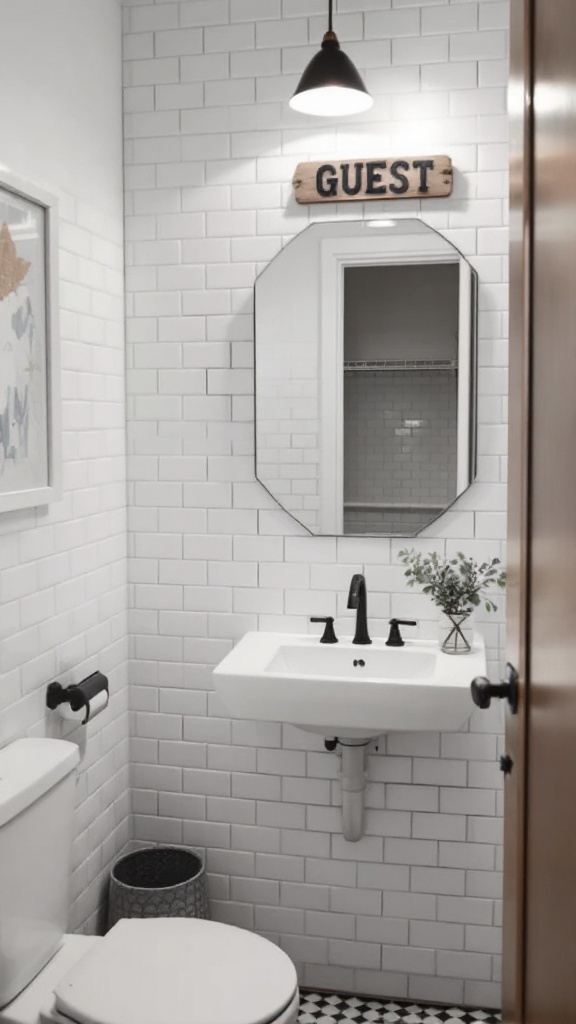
{"x": 456, "y": 632}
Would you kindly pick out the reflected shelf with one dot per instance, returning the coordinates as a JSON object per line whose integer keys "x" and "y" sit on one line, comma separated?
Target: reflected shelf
{"x": 387, "y": 506}
{"x": 387, "y": 365}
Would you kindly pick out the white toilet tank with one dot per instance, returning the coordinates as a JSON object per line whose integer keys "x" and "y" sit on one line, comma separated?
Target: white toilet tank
{"x": 37, "y": 786}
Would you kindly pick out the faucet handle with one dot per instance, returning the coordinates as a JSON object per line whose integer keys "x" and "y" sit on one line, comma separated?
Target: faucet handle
{"x": 328, "y": 636}
{"x": 394, "y": 636}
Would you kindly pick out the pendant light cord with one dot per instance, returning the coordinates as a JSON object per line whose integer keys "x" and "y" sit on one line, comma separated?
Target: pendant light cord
{"x": 330, "y": 15}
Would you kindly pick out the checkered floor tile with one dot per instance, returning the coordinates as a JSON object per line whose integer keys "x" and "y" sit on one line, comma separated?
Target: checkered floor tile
{"x": 316, "y": 1008}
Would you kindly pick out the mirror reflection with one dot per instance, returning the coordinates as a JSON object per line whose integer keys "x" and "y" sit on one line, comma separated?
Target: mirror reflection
{"x": 365, "y": 377}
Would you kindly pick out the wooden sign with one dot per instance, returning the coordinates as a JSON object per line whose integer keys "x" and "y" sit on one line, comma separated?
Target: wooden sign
{"x": 342, "y": 181}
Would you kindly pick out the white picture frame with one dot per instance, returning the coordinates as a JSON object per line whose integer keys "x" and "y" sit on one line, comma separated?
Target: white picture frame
{"x": 30, "y": 421}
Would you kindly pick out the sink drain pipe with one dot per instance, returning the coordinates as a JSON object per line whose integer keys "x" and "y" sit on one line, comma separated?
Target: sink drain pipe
{"x": 353, "y": 783}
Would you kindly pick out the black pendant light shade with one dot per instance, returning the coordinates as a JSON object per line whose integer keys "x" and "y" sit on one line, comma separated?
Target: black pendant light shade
{"x": 331, "y": 86}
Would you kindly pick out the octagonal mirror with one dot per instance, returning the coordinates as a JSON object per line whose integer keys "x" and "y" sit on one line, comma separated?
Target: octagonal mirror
{"x": 365, "y": 335}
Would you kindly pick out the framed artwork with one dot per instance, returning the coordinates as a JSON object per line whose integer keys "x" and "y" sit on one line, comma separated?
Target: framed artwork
{"x": 30, "y": 451}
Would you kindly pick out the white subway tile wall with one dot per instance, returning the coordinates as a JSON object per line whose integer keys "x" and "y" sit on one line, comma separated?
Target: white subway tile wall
{"x": 211, "y": 146}
{"x": 63, "y": 567}
{"x": 399, "y": 448}
{"x": 63, "y": 579}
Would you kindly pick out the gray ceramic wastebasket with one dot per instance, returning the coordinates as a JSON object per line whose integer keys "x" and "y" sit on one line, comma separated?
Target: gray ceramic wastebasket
{"x": 159, "y": 881}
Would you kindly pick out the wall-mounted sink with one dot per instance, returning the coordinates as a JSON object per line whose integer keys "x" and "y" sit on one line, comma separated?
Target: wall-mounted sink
{"x": 348, "y": 690}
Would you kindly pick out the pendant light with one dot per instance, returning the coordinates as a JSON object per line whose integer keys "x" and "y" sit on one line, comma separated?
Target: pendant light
{"x": 331, "y": 86}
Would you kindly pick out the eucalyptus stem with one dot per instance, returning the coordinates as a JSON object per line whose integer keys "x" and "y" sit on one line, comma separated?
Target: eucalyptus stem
{"x": 456, "y": 585}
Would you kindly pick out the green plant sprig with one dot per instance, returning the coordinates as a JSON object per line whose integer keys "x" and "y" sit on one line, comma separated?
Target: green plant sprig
{"x": 457, "y": 585}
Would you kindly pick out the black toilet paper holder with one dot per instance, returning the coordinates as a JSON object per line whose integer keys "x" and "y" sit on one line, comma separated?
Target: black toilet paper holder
{"x": 77, "y": 695}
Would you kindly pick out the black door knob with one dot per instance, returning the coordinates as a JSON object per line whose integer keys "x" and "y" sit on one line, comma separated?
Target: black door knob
{"x": 483, "y": 690}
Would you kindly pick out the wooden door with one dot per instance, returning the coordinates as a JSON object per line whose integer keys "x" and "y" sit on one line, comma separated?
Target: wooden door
{"x": 520, "y": 107}
{"x": 540, "y": 833}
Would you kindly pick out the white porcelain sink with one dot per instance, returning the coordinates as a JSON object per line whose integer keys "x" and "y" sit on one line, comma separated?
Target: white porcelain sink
{"x": 348, "y": 690}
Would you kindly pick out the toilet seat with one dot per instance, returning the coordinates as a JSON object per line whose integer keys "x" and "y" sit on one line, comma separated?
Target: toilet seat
{"x": 178, "y": 971}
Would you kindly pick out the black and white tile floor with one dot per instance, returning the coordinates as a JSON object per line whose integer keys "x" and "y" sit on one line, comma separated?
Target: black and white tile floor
{"x": 317, "y": 1008}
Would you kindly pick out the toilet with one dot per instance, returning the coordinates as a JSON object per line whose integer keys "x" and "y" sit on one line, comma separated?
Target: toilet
{"x": 144, "y": 971}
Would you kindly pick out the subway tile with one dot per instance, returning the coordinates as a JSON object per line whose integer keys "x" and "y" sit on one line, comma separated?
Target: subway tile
{"x": 146, "y": 18}
{"x": 440, "y": 772}
{"x": 409, "y": 960}
{"x": 254, "y": 10}
{"x": 354, "y": 954}
{"x": 313, "y": 845}
{"x": 229, "y": 38}
{"x": 255, "y": 890}
{"x": 392, "y": 24}
{"x": 443, "y": 881}
{"x": 384, "y": 823}
{"x": 483, "y": 939}
{"x": 230, "y": 862}
{"x": 368, "y": 848}
{"x": 206, "y": 782}
{"x": 485, "y": 884}
{"x": 281, "y": 815}
{"x": 468, "y": 801}
{"x": 413, "y": 798}
{"x": 202, "y": 729}
{"x": 157, "y": 726}
{"x": 478, "y": 46}
{"x": 467, "y": 965}
{"x": 436, "y": 935}
{"x": 306, "y": 791}
{"x": 240, "y": 915}
{"x": 391, "y": 931}
{"x": 282, "y": 762}
{"x": 305, "y": 949}
{"x": 458, "y": 18}
{"x": 156, "y": 829}
{"x": 439, "y": 791}
{"x": 153, "y": 72}
{"x": 182, "y": 754}
{"x": 231, "y": 758}
{"x": 483, "y": 992}
{"x": 256, "y": 787}
{"x": 177, "y": 42}
{"x": 138, "y": 45}
{"x": 439, "y": 826}
{"x": 204, "y": 12}
{"x": 285, "y": 868}
{"x": 409, "y": 905}
{"x": 412, "y": 851}
{"x": 256, "y": 838}
{"x": 355, "y": 901}
{"x": 209, "y": 835}
{"x": 330, "y": 979}
{"x": 467, "y": 855}
{"x": 320, "y": 870}
{"x": 421, "y": 50}
{"x": 307, "y": 897}
{"x": 443, "y": 990}
{"x": 182, "y": 805}
{"x": 332, "y": 926}
{"x": 384, "y": 876}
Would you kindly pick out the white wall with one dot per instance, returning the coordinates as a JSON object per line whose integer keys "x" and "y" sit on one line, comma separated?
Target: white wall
{"x": 401, "y": 312}
{"x": 413, "y": 909}
{"x": 63, "y": 590}
{"x": 59, "y": 98}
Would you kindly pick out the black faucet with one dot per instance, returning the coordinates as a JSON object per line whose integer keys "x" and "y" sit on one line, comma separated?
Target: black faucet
{"x": 328, "y": 636}
{"x": 357, "y": 600}
{"x": 394, "y": 636}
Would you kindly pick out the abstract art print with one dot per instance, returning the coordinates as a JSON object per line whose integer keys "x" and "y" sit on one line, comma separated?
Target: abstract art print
{"x": 29, "y": 424}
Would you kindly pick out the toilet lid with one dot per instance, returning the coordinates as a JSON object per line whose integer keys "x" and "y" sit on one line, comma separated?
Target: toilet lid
{"x": 178, "y": 971}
